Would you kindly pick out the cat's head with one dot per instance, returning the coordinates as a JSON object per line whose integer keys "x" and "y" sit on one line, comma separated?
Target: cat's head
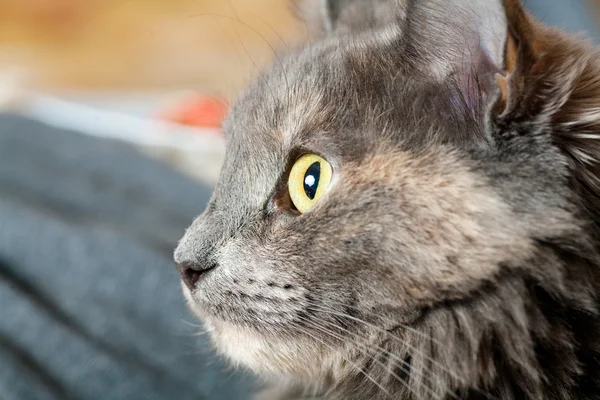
{"x": 414, "y": 158}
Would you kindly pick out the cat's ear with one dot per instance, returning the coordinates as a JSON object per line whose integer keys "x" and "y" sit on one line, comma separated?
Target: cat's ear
{"x": 323, "y": 17}
{"x": 524, "y": 77}
{"x": 547, "y": 85}
{"x": 522, "y": 59}
{"x": 467, "y": 44}
{"x": 495, "y": 52}
{"x": 535, "y": 73}
{"x": 547, "y": 76}
{"x": 551, "y": 87}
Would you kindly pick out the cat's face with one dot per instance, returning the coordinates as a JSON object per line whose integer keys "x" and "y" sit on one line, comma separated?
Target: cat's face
{"x": 422, "y": 207}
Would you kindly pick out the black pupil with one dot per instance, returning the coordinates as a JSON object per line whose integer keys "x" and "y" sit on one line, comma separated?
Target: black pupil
{"x": 311, "y": 180}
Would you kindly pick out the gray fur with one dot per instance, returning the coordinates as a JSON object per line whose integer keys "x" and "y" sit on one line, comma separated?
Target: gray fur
{"x": 455, "y": 253}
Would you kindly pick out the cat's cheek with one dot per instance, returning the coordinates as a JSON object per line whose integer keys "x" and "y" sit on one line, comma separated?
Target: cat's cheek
{"x": 241, "y": 262}
{"x": 252, "y": 268}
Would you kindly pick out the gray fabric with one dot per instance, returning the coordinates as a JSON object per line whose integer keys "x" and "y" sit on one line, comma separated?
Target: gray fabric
{"x": 90, "y": 304}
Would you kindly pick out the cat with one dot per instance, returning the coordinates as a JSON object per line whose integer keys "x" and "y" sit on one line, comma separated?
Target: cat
{"x": 410, "y": 209}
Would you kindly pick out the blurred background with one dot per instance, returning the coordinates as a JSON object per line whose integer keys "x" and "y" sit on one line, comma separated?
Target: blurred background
{"x": 125, "y": 62}
{"x": 139, "y": 58}
{"x": 109, "y": 145}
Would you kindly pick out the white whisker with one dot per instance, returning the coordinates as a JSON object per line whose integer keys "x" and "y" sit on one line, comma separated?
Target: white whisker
{"x": 378, "y": 350}
{"x": 369, "y": 377}
{"x": 318, "y": 307}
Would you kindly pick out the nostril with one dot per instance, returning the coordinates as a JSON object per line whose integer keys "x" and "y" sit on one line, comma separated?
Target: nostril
{"x": 191, "y": 273}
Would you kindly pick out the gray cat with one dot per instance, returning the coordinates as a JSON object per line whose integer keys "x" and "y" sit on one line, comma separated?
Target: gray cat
{"x": 410, "y": 209}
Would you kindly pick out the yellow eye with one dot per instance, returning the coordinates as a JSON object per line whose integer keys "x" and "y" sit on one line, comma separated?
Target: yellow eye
{"x": 308, "y": 181}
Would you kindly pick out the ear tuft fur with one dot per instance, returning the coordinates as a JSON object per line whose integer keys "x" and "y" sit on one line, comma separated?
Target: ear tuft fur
{"x": 575, "y": 117}
{"x": 554, "y": 84}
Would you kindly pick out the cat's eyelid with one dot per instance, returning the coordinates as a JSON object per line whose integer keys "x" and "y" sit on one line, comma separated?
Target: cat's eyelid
{"x": 299, "y": 151}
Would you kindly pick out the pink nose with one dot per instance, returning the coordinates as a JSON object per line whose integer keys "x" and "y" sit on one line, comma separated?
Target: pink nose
{"x": 192, "y": 273}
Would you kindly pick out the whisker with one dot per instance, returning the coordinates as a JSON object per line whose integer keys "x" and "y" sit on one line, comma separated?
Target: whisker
{"x": 405, "y": 367}
{"x": 300, "y": 14}
{"x": 318, "y": 307}
{"x": 379, "y": 350}
{"x": 193, "y": 325}
{"x": 404, "y": 326}
{"x": 410, "y": 329}
{"x": 269, "y": 26}
{"x": 369, "y": 377}
{"x": 283, "y": 71}
{"x": 237, "y": 33}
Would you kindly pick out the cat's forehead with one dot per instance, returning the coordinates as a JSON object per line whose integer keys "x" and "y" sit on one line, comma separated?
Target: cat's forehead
{"x": 290, "y": 105}
{"x": 296, "y": 98}
{"x": 344, "y": 94}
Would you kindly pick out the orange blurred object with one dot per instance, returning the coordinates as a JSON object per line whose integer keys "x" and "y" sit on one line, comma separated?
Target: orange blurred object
{"x": 197, "y": 110}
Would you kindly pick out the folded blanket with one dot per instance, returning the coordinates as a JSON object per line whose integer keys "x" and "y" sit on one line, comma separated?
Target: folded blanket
{"x": 90, "y": 303}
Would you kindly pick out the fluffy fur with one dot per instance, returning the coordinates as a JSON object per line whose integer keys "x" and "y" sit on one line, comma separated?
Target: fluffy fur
{"x": 456, "y": 253}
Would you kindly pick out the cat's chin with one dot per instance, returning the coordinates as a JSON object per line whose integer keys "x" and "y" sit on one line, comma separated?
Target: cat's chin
{"x": 270, "y": 356}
